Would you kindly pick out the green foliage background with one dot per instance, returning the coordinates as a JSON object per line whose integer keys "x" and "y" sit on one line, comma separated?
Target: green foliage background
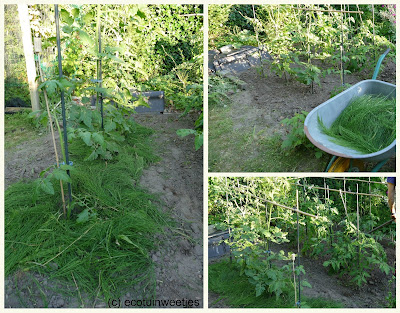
{"x": 140, "y": 43}
{"x": 295, "y": 36}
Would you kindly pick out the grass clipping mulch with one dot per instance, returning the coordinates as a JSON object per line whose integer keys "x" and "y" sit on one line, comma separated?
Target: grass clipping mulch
{"x": 367, "y": 124}
{"x": 105, "y": 255}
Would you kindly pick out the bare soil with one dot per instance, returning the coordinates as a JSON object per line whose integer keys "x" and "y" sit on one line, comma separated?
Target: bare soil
{"x": 266, "y": 101}
{"x": 333, "y": 287}
{"x": 26, "y": 160}
{"x": 177, "y": 178}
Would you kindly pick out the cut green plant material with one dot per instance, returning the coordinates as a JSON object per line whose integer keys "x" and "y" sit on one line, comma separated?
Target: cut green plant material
{"x": 367, "y": 124}
{"x": 105, "y": 245}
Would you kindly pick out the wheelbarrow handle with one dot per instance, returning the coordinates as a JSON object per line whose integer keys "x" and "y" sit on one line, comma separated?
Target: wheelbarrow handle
{"x": 378, "y": 65}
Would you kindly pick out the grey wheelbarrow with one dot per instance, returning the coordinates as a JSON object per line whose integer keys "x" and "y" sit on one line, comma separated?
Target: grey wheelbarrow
{"x": 346, "y": 159}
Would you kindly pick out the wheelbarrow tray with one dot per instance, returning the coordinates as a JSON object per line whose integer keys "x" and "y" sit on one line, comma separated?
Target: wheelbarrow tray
{"x": 331, "y": 109}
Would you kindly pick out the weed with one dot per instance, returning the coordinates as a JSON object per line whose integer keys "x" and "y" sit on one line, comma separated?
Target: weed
{"x": 296, "y": 137}
{"x": 219, "y": 87}
{"x": 18, "y": 129}
{"x": 339, "y": 89}
{"x": 390, "y": 299}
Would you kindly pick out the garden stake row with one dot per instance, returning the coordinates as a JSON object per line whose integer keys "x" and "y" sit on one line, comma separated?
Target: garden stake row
{"x": 341, "y": 192}
{"x": 295, "y": 209}
{"x": 343, "y": 12}
{"x": 277, "y": 204}
{"x": 344, "y": 191}
{"x": 322, "y": 10}
{"x": 60, "y": 74}
{"x": 369, "y": 181}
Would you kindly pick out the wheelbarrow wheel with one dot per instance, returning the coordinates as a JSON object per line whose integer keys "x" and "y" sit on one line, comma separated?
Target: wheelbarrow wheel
{"x": 346, "y": 165}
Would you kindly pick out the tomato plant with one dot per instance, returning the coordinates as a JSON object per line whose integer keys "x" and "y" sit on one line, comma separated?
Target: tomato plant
{"x": 306, "y": 40}
{"x": 259, "y": 228}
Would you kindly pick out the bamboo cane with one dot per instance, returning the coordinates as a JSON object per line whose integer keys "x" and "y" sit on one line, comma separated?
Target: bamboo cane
{"x": 52, "y": 135}
{"x": 384, "y": 224}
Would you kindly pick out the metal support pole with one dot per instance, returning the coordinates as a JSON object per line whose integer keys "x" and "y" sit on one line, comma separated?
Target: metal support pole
{"x": 99, "y": 72}
{"x": 60, "y": 75}
{"x": 229, "y": 228}
{"x": 298, "y": 245}
{"x": 342, "y": 50}
{"x": 380, "y": 226}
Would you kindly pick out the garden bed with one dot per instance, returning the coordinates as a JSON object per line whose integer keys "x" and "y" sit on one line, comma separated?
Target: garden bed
{"x": 330, "y": 287}
{"x": 246, "y": 132}
{"x": 177, "y": 258}
{"x": 311, "y": 234}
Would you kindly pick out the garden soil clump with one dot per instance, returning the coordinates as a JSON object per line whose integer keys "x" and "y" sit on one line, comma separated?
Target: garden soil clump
{"x": 178, "y": 259}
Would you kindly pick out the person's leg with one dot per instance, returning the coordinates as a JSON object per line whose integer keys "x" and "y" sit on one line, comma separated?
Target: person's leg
{"x": 391, "y": 197}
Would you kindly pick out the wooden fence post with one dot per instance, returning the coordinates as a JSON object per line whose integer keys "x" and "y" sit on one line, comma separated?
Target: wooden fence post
{"x": 29, "y": 57}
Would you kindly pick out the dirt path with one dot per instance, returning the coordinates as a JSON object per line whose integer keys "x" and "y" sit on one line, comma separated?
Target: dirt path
{"x": 333, "y": 287}
{"x": 178, "y": 178}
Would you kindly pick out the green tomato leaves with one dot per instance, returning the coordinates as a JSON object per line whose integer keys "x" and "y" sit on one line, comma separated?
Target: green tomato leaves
{"x": 198, "y": 141}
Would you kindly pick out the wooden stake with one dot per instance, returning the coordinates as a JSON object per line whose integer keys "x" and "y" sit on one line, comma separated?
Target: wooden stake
{"x": 52, "y": 135}
{"x": 344, "y": 204}
{"x": 279, "y": 205}
{"x": 344, "y": 192}
{"x": 330, "y": 11}
{"x": 369, "y": 190}
{"x": 358, "y": 217}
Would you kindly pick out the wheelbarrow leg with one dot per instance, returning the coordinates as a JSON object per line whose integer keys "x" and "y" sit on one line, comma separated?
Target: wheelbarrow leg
{"x": 379, "y": 166}
{"x": 339, "y": 164}
{"x": 378, "y": 65}
{"x": 330, "y": 163}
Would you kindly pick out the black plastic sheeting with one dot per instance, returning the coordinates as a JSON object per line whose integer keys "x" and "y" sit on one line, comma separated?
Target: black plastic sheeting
{"x": 17, "y": 102}
{"x": 216, "y": 247}
{"x": 155, "y": 100}
{"x": 235, "y": 61}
